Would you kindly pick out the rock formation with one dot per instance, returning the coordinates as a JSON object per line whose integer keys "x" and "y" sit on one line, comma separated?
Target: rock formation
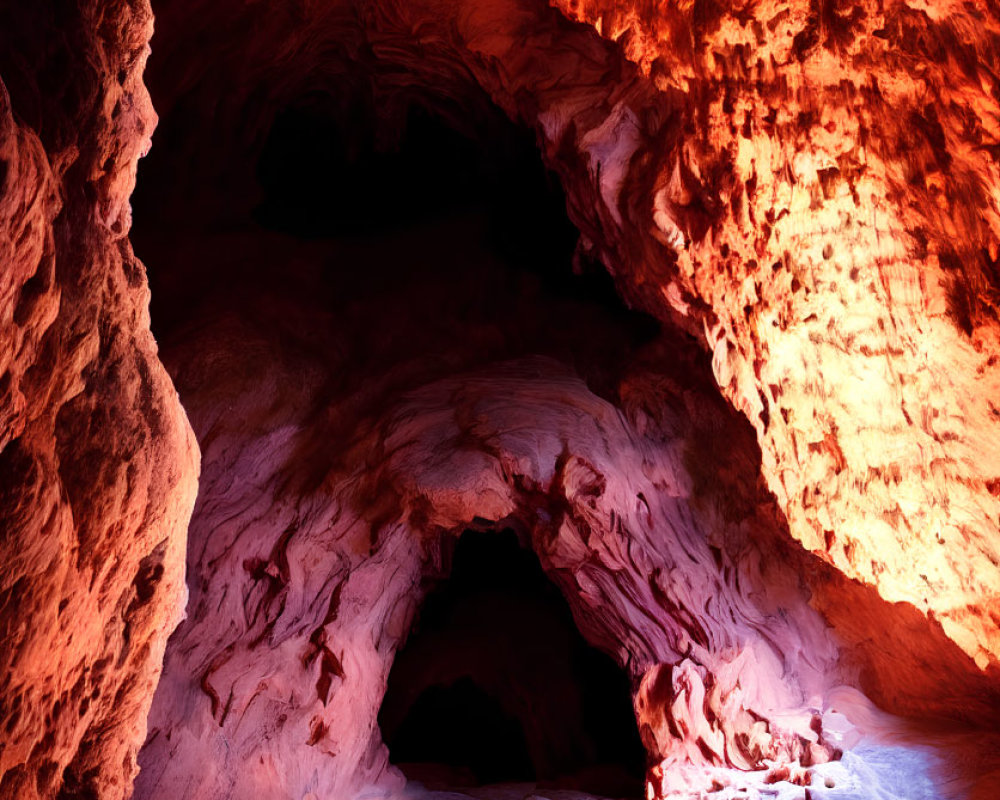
{"x": 98, "y": 464}
{"x": 764, "y": 480}
{"x": 833, "y": 201}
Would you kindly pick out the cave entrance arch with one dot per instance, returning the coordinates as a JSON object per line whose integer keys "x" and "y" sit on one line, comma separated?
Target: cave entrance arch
{"x": 496, "y": 684}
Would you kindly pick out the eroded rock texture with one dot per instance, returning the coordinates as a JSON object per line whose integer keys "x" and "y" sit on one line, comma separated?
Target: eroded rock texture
{"x": 352, "y": 427}
{"x": 810, "y": 188}
{"x": 97, "y": 463}
{"x": 829, "y": 185}
{"x": 274, "y": 692}
{"x": 802, "y": 195}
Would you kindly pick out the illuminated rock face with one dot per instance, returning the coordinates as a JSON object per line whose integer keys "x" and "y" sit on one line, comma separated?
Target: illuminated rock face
{"x": 829, "y": 186}
{"x": 98, "y": 466}
{"x": 272, "y": 685}
{"x": 809, "y": 188}
{"x": 803, "y": 195}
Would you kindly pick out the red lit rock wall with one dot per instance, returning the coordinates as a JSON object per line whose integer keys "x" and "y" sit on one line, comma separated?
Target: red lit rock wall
{"x": 312, "y": 544}
{"x": 772, "y": 214}
{"x": 98, "y": 467}
{"x": 810, "y": 189}
{"x": 328, "y": 498}
{"x": 830, "y": 188}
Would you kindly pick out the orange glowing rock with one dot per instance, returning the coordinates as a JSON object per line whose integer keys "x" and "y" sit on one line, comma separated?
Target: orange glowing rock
{"x": 805, "y": 194}
{"x": 840, "y": 217}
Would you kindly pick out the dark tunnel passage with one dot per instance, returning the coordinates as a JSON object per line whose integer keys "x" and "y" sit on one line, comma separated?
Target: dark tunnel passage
{"x": 496, "y": 684}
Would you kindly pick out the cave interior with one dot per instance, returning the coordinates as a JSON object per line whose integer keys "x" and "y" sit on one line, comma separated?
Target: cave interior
{"x": 508, "y": 400}
{"x": 445, "y": 239}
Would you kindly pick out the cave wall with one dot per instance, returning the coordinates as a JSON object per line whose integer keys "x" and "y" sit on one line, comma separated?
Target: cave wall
{"x": 299, "y": 599}
{"x": 806, "y": 189}
{"x": 810, "y": 188}
{"x": 830, "y": 189}
{"x": 313, "y": 542}
{"x": 734, "y": 648}
{"x": 98, "y": 466}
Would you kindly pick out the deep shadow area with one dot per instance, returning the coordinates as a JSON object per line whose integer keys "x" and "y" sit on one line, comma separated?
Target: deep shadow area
{"x": 322, "y": 178}
{"x": 431, "y": 239}
{"x": 462, "y": 726}
{"x": 496, "y": 684}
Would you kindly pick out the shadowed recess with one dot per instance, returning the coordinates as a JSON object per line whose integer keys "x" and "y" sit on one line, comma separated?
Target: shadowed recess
{"x": 445, "y": 235}
{"x": 497, "y": 684}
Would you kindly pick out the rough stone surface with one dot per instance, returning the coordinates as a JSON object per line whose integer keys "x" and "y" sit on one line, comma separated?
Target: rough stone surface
{"x": 749, "y": 181}
{"x": 330, "y": 498}
{"x": 271, "y": 685}
{"x": 829, "y": 184}
{"x": 805, "y": 194}
{"x": 810, "y": 188}
{"x": 97, "y": 462}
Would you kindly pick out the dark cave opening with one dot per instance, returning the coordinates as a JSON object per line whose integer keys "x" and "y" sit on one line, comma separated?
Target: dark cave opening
{"x": 441, "y": 230}
{"x": 466, "y": 730}
{"x": 323, "y": 177}
{"x": 496, "y": 684}
{"x": 375, "y": 264}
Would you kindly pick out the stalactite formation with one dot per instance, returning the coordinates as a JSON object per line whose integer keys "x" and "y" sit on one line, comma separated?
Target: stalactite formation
{"x": 597, "y": 397}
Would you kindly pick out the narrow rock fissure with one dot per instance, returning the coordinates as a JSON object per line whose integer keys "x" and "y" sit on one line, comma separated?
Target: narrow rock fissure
{"x": 496, "y": 685}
